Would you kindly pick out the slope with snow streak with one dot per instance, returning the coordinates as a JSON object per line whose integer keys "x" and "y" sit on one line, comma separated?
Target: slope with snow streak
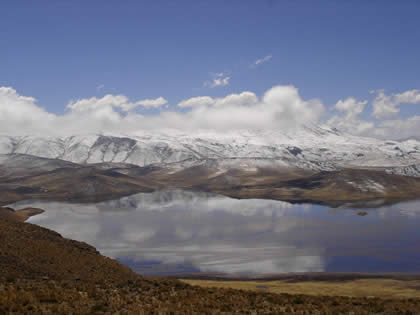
{"x": 410, "y": 170}
{"x": 309, "y": 147}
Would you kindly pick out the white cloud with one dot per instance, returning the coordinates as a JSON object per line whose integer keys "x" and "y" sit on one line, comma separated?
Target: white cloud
{"x": 100, "y": 87}
{"x": 350, "y": 121}
{"x": 242, "y": 99}
{"x": 219, "y": 79}
{"x": 197, "y": 101}
{"x": 220, "y": 82}
{"x": 409, "y": 97}
{"x": 383, "y": 106}
{"x": 262, "y": 60}
{"x": 100, "y": 104}
{"x": 153, "y": 103}
{"x": 109, "y": 102}
{"x": 280, "y": 107}
{"x": 387, "y": 105}
{"x": 288, "y": 107}
{"x": 351, "y": 106}
{"x": 22, "y": 114}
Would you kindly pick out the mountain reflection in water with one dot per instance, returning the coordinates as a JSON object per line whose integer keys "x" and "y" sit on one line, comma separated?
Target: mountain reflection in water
{"x": 168, "y": 232}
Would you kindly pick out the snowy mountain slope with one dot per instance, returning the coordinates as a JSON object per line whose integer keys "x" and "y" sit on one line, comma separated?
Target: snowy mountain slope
{"x": 410, "y": 170}
{"x": 310, "y": 147}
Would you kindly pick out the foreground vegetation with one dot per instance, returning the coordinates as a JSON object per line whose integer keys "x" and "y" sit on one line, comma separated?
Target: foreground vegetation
{"x": 145, "y": 296}
{"x": 44, "y": 273}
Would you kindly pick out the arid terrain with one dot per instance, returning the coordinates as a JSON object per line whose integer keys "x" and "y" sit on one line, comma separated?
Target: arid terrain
{"x": 32, "y": 177}
{"x": 43, "y": 272}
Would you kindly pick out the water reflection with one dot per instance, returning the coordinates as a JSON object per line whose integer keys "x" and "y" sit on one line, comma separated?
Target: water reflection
{"x": 179, "y": 231}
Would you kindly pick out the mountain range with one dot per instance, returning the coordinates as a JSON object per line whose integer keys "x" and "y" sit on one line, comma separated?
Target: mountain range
{"x": 266, "y": 163}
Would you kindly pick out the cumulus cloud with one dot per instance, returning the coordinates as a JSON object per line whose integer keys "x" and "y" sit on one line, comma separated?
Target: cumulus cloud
{"x": 242, "y": 99}
{"x": 21, "y": 113}
{"x": 262, "y": 60}
{"x": 219, "y": 79}
{"x": 349, "y": 120}
{"x": 109, "y": 102}
{"x": 197, "y": 101}
{"x": 387, "y": 105}
{"x": 289, "y": 108}
{"x": 279, "y": 107}
{"x": 384, "y": 107}
{"x": 409, "y": 97}
{"x": 153, "y": 103}
{"x": 351, "y": 106}
{"x": 106, "y": 103}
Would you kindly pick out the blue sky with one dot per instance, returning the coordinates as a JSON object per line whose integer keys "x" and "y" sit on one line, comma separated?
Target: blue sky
{"x": 57, "y": 51}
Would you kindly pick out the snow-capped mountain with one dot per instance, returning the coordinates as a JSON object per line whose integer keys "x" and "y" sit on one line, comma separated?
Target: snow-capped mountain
{"x": 309, "y": 147}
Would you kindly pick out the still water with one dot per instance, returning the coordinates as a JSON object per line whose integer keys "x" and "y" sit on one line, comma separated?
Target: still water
{"x": 175, "y": 232}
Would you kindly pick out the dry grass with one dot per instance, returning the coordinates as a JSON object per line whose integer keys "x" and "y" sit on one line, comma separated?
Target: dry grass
{"x": 160, "y": 296}
{"x": 382, "y": 288}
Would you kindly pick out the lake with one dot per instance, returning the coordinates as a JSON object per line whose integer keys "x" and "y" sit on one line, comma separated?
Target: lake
{"x": 176, "y": 232}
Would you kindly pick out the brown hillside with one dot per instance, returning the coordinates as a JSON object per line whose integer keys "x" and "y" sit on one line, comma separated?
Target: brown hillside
{"x": 18, "y": 215}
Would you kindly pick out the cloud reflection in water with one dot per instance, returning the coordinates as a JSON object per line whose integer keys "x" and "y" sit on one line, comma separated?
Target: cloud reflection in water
{"x": 180, "y": 231}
